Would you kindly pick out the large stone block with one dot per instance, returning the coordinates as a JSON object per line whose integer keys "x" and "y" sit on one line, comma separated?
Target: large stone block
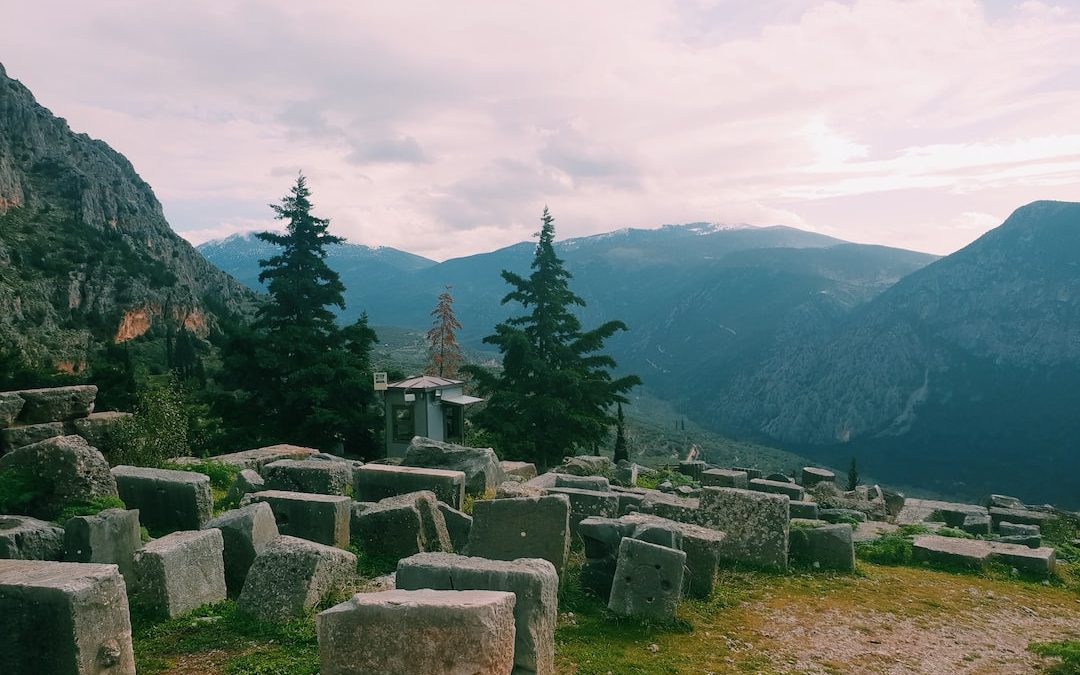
{"x": 422, "y": 631}
{"x": 751, "y": 474}
{"x": 585, "y": 503}
{"x": 15, "y": 437}
{"x": 693, "y": 469}
{"x": 25, "y": 538}
{"x": 111, "y": 536}
{"x": 793, "y": 491}
{"x": 65, "y": 469}
{"x": 308, "y": 475}
{"x": 587, "y": 465}
{"x": 291, "y": 575}
{"x": 812, "y": 475}
{"x": 755, "y": 524}
{"x": 803, "y": 510}
{"x": 533, "y": 581}
{"x": 950, "y": 551}
{"x": 247, "y": 481}
{"x": 828, "y": 547}
{"x": 246, "y": 532}
{"x": 458, "y": 525}
{"x": 373, "y": 482}
{"x": 167, "y": 500}
{"x": 725, "y": 478}
{"x": 525, "y": 470}
{"x": 703, "y": 547}
{"x": 648, "y": 580}
{"x": 179, "y": 572}
{"x": 320, "y": 518}
{"x": 10, "y": 406}
{"x": 523, "y": 527}
{"x": 597, "y": 483}
{"x": 260, "y": 457}
{"x": 97, "y": 428}
{"x": 1020, "y": 516}
{"x": 57, "y": 404}
{"x": 401, "y": 526}
{"x": 481, "y": 466}
{"x": 64, "y": 619}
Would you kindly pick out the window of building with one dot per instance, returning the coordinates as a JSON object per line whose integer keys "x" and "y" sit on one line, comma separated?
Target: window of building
{"x": 404, "y": 423}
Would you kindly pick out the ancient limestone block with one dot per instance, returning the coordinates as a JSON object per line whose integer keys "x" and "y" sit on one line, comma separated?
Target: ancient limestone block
{"x": 247, "y": 481}
{"x": 422, "y": 631}
{"x": 693, "y": 469}
{"x": 10, "y": 406}
{"x": 533, "y": 581}
{"x": 587, "y": 465}
{"x": 725, "y": 478}
{"x": 702, "y": 546}
{"x": 597, "y": 483}
{"x": 400, "y": 526}
{"x": 111, "y": 536}
{"x": 167, "y": 500}
{"x": 481, "y": 466}
{"x": 812, "y": 475}
{"x": 458, "y": 525}
{"x": 805, "y": 510}
{"x": 648, "y": 580}
{"x": 585, "y": 503}
{"x": 15, "y": 437}
{"x": 179, "y": 572}
{"x": 523, "y": 527}
{"x": 26, "y": 538}
{"x": 245, "y": 532}
{"x": 64, "y": 618}
{"x": 320, "y": 518}
{"x": 56, "y": 404}
{"x": 793, "y": 491}
{"x": 307, "y": 475}
{"x": 373, "y": 482}
{"x": 291, "y": 575}
{"x": 66, "y": 470}
{"x": 524, "y": 470}
{"x": 828, "y": 547}
{"x": 260, "y": 457}
{"x": 755, "y": 524}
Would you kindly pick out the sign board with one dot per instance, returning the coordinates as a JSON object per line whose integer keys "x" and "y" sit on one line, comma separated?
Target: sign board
{"x": 380, "y": 382}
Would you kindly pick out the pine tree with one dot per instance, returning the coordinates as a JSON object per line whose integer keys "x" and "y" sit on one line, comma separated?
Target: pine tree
{"x": 444, "y": 352}
{"x": 555, "y": 391}
{"x": 852, "y": 475}
{"x": 621, "y": 450}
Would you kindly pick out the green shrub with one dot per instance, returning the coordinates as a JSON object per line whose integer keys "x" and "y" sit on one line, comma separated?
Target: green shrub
{"x": 156, "y": 432}
{"x": 20, "y": 490}
{"x": 91, "y": 507}
{"x": 912, "y": 529}
{"x": 891, "y": 549}
{"x": 954, "y": 533}
{"x": 1068, "y": 651}
{"x": 651, "y": 481}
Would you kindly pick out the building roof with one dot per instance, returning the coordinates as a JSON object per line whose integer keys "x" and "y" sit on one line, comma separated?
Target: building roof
{"x": 461, "y": 400}
{"x": 424, "y": 382}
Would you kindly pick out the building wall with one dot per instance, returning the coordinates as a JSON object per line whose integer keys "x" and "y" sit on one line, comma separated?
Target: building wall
{"x": 427, "y": 416}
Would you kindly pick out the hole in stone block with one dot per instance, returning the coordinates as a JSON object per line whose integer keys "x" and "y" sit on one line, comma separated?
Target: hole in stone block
{"x": 650, "y": 599}
{"x": 656, "y": 566}
{"x": 523, "y": 534}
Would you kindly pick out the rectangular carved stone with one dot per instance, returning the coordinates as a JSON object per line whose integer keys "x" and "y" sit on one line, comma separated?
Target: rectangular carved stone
{"x": 320, "y": 518}
{"x": 793, "y": 491}
{"x": 725, "y": 478}
{"x": 755, "y": 524}
{"x": 648, "y": 580}
{"x": 179, "y": 572}
{"x": 111, "y": 536}
{"x": 523, "y": 527}
{"x": 373, "y": 482}
{"x": 308, "y": 475}
{"x": 167, "y": 500}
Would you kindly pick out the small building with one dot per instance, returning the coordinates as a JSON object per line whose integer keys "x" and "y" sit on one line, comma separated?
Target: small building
{"x": 424, "y": 406}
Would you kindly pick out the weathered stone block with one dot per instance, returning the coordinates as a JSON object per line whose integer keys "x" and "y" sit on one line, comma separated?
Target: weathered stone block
{"x": 828, "y": 547}
{"x": 751, "y": 474}
{"x": 805, "y": 510}
{"x": 1005, "y": 502}
{"x": 1021, "y": 516}
{"x": 291, "y": 575}
{"x": 693, "y": 469}
{"x": 65, "y": 469}
{"x": 950, "y": 551}
{"x": 246, "y": 532}
{"x": 320, "y": 518}
{"x": 400, "y": 526}
{"x": 25, "y": 538}
{"x": 894, "y": 502}
{"x": 725, "y": 478}
{"x": 1038, "y": 561}
{"x": 648, "y": 580}
{"x": 524, "y": 470}
{"x": 111, "y": 536}
{"x": 703, "y": 548}
{"x": 976, "y": 523}
{"x": 1007, "y": 529}
{"x": 64, "y": 618}
{"x": 841, "y": 515}
{"x": 481, "y": 466}
{"x": 423, "y": 631}
{"x": 458, "y": 524}
{"x": 626, "y": 474}
{"x": 533, "y": 581}
{"x": 373, "y": 482}
{"x": 22, "y": 435}
{"x": 793, "y": 491}
{"x": 585, "y": 503}
{"x": 307, "y": 475}
{"x": 246, "y": 482}
{"x": 812, "y": 475}
{"x": 179, "y": 572}
{"x": 260, "y": 457}
{"x": 755, "y": 524}
{"x": 587, "y": 465}
{"x": 597, "y": 483}
{"x": 56, "y": 404}
{"x": 525, "y": 527}
{"x": 10, "y": 406}
{"x": 97, "y": 428}
{"x": 167, "y": 500}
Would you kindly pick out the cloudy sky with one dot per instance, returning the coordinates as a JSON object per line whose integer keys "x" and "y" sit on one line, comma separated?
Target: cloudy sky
{"x": 444, "y": 127}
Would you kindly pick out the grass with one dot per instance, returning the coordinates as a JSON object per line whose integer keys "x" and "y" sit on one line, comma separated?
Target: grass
{"x": 662, "y": 474}
{"x": 221, "y": 477}
{"x": 1065, "y": 653}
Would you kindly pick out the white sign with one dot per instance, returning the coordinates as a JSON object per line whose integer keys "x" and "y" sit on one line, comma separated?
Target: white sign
{"x": 380, "y": 382}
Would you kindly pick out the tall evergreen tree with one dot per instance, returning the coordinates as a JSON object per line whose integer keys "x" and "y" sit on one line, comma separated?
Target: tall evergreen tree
{"x": 555, "y": 391}
{"x": 852, "y": 475}
{"x": 621, "y": 450}
{"x": 444, "y": 352}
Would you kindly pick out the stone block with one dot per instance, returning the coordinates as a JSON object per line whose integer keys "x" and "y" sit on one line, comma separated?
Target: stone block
{"x": 597, "y": 483}
{"x": 533, "y": 581}
{"x": 56, "y": 404}
{"x": 10, "y": 406}
{"x": 260, "y": 457}
{"x": 246, "y": 532}
{"x": 66, "y": 470}
{"x": 481, "y": 466}
{"x": 1020, "y": 516}
{"x": 779, "y": 478}
{"x": 26, "y": 538}
{"x": 421, "y": 631}
{"x": 587, "y": 465}
{"x": 693, "y": 469}
{"x": 829, "y": 547}
{"x": 401, "y": 526}
{"x": 307, "y": 475}
{"x": 672, "y": 507}
{"x": 1031, "y": 541}
{"x": 524, "y": 470}
{"x": 585, "y": 503}
{"x": 894, "y": 502}
{"x": 812, "y": 475}
{"x": 246, "y": 482}
{"x": 523, "y": 527}
{"x": 22, "y": 435}
{"x": 97, "y": 428}
{"x": 751, "y": 474}
{"x": 755, "y": 524}
{"x": 725, "y": 478}
{"x": 373, "y": 482}
{"x": 1007, "y": 529}
{"x": 626, "y": 474}
{"x": 292, "y": 575}
{"x": 703, "y": 548}
{"x": 1005, "y": 502}
{"x": 629, "y": 502}
{"x": 648, "y": 580}
{"x": 179, "y": 572}
{"x": 320, "y": 518}
{"x": 458, "y": 525}
{"x": 950, "y": 551}
{"x": 976, "y": 523}
{"x": 167, "y": 500}
{"x": 841, "y": 515}
{"x": 793, "y": 491}
{"x": 1037, "y": 561}
{"x": 111, "y": 537}
{"x": 64, "y": 618}
{"x": 805, "y": 510}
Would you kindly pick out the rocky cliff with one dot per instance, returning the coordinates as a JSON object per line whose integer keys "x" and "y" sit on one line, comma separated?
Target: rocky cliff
{"x": 86, "y": 255}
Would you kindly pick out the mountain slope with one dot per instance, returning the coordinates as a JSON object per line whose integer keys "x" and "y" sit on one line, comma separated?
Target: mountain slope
{"x": 964, "y": 373}
{"x": 86, "y": 255}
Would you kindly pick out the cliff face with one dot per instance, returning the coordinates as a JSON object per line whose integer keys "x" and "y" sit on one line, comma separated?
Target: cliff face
{"x": 86, "y": 255}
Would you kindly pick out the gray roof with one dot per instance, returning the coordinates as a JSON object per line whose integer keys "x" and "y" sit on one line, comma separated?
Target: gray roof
{"x": 425, "y": 382}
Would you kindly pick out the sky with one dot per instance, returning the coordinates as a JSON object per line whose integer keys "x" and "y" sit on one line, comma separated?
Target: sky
{"x": 443, "y": 128}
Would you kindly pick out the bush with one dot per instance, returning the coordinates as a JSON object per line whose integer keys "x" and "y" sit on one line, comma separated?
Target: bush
{"x": 953, "y": 532}
{"x": 156, "y": 432}
{"x": 891, "y": 549}
{"x": 89, "y": 508}
{"x": 1068, "y": 651}
{"x": 20, "y": 489}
